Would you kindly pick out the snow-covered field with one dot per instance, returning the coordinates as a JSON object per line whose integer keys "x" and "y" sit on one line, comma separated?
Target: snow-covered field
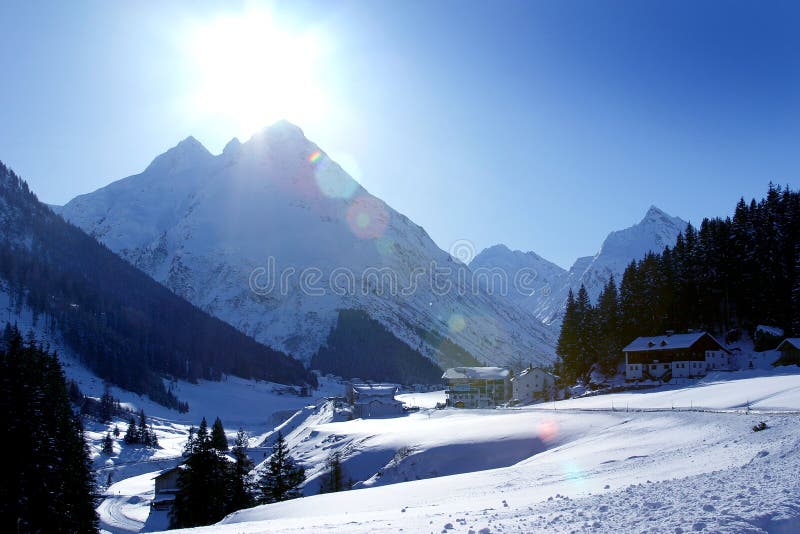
{"x": 671, "y": 459}
{"x": 556, "y": 468}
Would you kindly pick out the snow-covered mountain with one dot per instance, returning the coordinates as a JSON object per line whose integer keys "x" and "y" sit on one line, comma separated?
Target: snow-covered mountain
{"x": 552, "y": 284}
{"x": 274, "y": 237}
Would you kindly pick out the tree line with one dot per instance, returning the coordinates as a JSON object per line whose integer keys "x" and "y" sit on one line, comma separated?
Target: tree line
{"x": 127, "y": 328}
{"x": 48, "y": 483}
{"x": 726, "y": 278}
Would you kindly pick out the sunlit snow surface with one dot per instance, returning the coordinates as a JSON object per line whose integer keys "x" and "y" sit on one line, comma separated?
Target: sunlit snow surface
{"x": 558, "y": 468}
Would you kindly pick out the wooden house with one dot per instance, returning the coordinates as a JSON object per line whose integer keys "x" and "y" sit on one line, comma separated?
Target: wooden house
{"x": 790, "y": 351}
{"x": 675, "y": 356}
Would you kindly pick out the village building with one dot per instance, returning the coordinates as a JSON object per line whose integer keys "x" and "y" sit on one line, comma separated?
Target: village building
{"x": 374, "y": 400}
{"x": 675, "y": 356}
{"x": 790, "y": 351}
{"x": 532, "y": 385}
{"x": 477, "y": 387}
{"x": 166, "y": 487}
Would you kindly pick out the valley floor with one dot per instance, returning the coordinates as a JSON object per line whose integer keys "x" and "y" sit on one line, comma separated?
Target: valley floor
{"x": 570, "y": 466}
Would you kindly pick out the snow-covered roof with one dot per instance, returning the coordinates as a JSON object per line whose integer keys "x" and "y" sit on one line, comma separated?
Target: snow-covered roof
{"x": 793, "y": 341}
{"x": 530, "y": 370}
{"x": 375, "y": 390}
{"x": 771, "y": 330}
{"x": 667, "y": 342}
{"x": 481, "y": 373}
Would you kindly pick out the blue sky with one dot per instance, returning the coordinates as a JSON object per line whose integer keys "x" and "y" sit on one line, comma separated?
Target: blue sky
{"x": 542, "y": 125}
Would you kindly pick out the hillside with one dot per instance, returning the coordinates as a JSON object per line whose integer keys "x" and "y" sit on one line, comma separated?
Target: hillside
{"x": 122, "y": 325}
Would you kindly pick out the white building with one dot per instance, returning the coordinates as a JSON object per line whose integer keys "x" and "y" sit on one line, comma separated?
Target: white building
{"x": 375, "y": 400}
{"x": 675, "y": 356}
{"x": 477, "y": 387}
{"x": 532, "y": 385}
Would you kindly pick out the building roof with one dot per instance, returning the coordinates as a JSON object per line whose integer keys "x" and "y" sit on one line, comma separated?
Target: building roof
{"x": 479, "y": 373}
{"x": 168, "y": 472}
{"x": 530, "y": 370}
{"x": 667, "y": 342}
{"x": 793, "y": 341}
{"x": 375, "y": 390}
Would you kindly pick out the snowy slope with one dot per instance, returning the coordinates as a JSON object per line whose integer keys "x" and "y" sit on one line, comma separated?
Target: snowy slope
{"x": 560, "y": 469}
{"x": 655, "y": 231}
{"x": 208, "y": 227}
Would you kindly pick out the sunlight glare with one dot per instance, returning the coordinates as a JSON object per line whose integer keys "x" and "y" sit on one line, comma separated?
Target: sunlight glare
{"x": 251, "y": 72}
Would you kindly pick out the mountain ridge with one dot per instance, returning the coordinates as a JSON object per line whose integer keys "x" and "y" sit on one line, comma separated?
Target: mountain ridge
{"x": 203, "y": 230}
{"x": 653, "y": 232}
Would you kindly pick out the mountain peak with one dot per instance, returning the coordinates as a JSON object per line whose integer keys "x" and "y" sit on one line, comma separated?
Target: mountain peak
{"x": 232, "y": 146}
{"x": 282, "y": 129}
{"x": 182, "y": 156}
{"x": 282, "y": 138}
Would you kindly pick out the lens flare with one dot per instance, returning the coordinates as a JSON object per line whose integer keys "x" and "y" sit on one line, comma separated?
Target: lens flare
{"x": 385, "y": 246}
{"x": 573, "y": 472}
{"x": 332, "y": 181}
{"x": 367, "y": 217}
{"x": 547, "y": 430}
{"x": 456, "y": 323}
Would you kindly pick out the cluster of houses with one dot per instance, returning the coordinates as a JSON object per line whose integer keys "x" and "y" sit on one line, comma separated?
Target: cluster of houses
{"x": 487, "y": 387}
{"x": 686, "y": 355}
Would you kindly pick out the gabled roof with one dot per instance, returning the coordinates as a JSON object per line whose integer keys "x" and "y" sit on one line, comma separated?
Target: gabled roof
{"x": 375, "y": 390}
{"x": 668, "y": 342}
{"x": 171, "y": 470}
{"x": 478, "y": 373}
{"x": 792, "y": 341}
{"x": 530, "y": 370}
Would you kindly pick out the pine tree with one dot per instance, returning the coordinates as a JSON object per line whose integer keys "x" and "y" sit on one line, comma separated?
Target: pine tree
{"x": 108, "y": 405}
{"x": 152, "y": 437}
{"x": 608, "y": 326}
{"x": 242, "y": 485}
{"x": 143, "y": 432}
{"x": 282, "y": 479}
{"x": 204, "y": 483}
{"x": 568, "y": 348}
{"x": 191, "y": 442}
{"x": 795, "y": 305}
{"x": 587, "y": 334}
{"x": 116, "y": 431}
{"x": 218, "y": 439}
{"x": 108, "y": 444}
{"x": 334, "y": 479}
{"x": 132, "y": 436}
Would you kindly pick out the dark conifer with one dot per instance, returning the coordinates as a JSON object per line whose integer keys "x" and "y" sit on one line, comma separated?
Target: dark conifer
{"x": 282, "y": 478}
{"x": 218, "y": 439}
{"x": 108, "y": 444}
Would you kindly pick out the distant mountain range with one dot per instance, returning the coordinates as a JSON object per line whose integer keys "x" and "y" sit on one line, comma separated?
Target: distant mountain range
{"x": 552, "y": 283}
{"x": 274, "y": 238}
{"x": 221, "y": 230}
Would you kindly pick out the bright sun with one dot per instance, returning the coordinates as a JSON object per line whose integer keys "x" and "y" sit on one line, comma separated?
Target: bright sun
{"x": 250, "y": 72}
